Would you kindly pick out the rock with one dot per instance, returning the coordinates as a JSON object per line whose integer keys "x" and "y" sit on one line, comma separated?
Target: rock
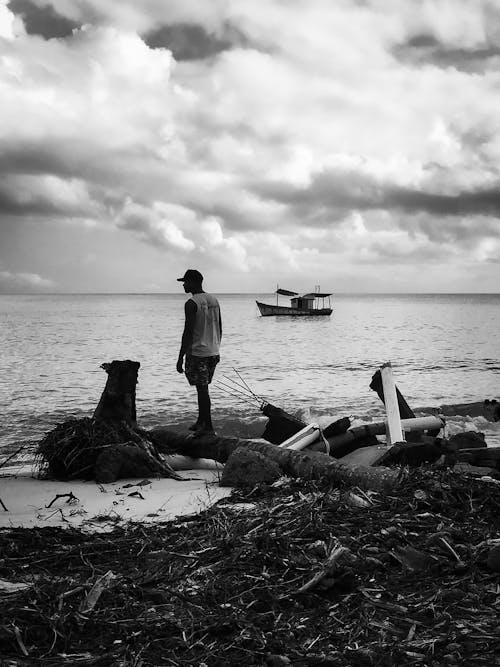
{"x": 480, "y": 471}
{"x": 493, "y": 560}
{"x": 467, "y": 440}
{"x": 248, "y": 468}
{"x": 124, "y": 460}
{"x": 412, "y": 453}
{"x": 489, "y": 409}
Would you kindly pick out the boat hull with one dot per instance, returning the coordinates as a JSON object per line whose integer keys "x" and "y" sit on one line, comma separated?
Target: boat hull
{"x": 266, "y": 310}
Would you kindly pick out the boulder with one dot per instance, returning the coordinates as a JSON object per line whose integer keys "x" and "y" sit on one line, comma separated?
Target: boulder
{"x": 467, "y": 440}
{"x": 124, "y": 460}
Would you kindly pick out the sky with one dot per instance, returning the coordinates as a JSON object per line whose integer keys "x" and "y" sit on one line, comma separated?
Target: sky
{"x": 352, "y": 144}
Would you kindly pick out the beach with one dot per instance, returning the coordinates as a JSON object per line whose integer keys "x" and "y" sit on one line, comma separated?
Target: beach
{"x": 31, "y": 502}
{"x": 159, "y": 571}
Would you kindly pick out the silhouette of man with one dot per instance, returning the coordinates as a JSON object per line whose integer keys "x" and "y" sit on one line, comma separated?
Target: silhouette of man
{"x": 200, "y": 345}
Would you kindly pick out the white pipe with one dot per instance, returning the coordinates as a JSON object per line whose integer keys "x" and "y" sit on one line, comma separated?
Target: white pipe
{"x": 303, "y": 438}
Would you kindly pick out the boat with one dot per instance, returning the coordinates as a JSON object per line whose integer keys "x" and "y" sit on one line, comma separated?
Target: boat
{"x": 305, "y": 305}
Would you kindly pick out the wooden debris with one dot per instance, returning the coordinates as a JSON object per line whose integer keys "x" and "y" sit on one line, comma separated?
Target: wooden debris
{"x": 326, "y": 569}
{"x": 308, "y": 465}
{"x": 95, "y": 593}
{"x": 71, "y": 498}
{"x": 220, "y": 588}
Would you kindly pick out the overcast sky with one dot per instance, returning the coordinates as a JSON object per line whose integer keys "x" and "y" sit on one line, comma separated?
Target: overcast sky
{"x": 353, "y": 144}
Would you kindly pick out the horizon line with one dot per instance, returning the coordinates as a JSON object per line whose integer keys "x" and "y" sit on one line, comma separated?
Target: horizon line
{"x": 155, "y": 293}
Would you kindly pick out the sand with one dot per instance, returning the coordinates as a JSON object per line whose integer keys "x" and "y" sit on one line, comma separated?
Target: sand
{"x": 98, "y": 507}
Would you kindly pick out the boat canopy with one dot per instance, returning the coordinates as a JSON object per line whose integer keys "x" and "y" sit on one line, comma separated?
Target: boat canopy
{"x": 314, "y": 295}
{"x": 285, "y": 292}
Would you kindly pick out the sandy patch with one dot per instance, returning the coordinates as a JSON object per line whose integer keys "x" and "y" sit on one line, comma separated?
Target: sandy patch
{"x": 33, "y": 502}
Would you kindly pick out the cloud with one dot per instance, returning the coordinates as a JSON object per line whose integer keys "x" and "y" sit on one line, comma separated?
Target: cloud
{"x": 301, "y": 136}
{"x": 44, "y": 195}
{"x": 425, "y": 50}
{"x": 188, "y": 41}
{"x": 23, "y": 282}
{"x": 42, "y": 20}
{"x": 155, "y": 224}
{"x": 128, "y": 15}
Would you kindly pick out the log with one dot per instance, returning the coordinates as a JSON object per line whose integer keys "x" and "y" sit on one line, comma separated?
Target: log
{"x": 307, "y": 465}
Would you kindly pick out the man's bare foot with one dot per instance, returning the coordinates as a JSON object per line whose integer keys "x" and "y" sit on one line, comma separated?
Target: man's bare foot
{"x": 196, "y": 426}
{"x": 206, "y": 431}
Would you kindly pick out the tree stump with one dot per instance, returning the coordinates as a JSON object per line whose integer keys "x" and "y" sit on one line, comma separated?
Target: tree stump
{"x": 117, "y": 402}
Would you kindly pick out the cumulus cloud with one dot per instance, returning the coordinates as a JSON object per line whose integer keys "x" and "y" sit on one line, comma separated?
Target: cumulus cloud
{"x": 291, "y": 133}
{"x": 155, "y": 224}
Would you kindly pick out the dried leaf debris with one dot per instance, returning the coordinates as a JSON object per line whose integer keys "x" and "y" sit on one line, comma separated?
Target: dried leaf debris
{"x": 289, "y": 574}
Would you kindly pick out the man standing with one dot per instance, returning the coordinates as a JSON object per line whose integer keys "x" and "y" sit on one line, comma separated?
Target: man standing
{"x": 200, "y": 345}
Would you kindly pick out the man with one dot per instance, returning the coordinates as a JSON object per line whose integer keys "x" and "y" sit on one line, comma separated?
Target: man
{"x": 200, "y": 345}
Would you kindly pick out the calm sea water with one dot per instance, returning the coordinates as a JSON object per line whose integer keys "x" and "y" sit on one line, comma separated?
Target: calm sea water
{"x": 443, "y": 348}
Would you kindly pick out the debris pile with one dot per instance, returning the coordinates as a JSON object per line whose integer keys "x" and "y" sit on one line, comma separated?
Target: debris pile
{"x": 292, "y": 573}
{"x": 71, "y": 449}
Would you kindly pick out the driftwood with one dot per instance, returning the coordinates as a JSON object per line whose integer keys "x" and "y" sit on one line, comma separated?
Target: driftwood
{"x": 306, "y": 465}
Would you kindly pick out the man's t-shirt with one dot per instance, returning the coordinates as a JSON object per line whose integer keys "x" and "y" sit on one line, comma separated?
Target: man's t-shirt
{"x": 206, "y": 334}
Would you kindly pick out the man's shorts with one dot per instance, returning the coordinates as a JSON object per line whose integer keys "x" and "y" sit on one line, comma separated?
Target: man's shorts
{"x": 200, "y": 370}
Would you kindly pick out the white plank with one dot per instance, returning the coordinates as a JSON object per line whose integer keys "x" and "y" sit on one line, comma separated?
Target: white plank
{"x": 394, "y": 429}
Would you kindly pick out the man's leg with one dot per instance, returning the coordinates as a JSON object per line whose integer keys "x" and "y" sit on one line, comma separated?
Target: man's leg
{"x": 204, "y": 407}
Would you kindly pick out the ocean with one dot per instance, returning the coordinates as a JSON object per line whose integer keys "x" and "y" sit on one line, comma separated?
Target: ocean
{"x": 443, "y": 349}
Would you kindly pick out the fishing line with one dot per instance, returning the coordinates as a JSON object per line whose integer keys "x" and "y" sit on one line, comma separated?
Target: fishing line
{"x": 236, "y": 391}
{"x": 225, "y": 391}
{"x": 237, "y": 384}
{"x": 246, "y": 385}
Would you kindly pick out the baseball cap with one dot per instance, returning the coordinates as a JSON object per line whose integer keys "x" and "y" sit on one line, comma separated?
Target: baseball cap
{"x": 191, "y": 274}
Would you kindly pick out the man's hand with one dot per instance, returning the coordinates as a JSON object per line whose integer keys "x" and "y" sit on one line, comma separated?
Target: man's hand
{"x": 179, "y": 365}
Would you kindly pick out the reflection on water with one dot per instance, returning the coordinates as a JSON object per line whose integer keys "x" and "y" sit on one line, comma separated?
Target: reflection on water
{"x": 443, "y": 349}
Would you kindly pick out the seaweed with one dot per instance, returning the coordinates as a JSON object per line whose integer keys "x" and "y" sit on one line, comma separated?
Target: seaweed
{"x": 71, "y": 449}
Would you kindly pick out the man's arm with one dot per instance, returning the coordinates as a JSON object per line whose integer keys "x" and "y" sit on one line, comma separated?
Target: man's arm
{"x": 220, "y": 324}
{"x": 187, "y": 335}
